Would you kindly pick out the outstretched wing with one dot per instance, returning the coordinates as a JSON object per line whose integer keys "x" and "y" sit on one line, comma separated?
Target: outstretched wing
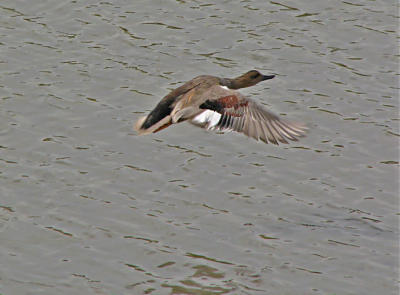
{"x": 238, "y": 113}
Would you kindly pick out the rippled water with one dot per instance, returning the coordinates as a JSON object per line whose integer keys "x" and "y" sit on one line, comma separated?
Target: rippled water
{"x": 88, "y": 207}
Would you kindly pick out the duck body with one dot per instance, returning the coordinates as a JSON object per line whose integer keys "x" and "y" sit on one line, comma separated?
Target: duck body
{"x": 179, "y": 100}
{"x": 214, "y": 103}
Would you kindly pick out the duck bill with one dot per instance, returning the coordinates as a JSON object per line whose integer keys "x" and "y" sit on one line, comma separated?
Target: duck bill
{"x": 267, "y": 77}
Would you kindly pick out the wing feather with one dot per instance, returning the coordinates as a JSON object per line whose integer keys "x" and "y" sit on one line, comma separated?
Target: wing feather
{"x": 241, "y": 114}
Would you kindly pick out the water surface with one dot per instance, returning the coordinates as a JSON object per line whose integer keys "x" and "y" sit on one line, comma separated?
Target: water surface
{"x": 88, "y": 207}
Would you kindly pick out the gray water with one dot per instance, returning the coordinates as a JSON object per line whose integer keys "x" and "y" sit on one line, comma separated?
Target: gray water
{"x": 89, "y": 207}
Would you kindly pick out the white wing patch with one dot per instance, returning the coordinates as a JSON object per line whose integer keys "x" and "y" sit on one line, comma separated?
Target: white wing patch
{"x": 224, "y": 87}
{"x": 208, "y": 118}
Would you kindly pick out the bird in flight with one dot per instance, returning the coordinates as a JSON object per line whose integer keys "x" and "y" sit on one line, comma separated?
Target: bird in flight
{"x": 216, "y": 104}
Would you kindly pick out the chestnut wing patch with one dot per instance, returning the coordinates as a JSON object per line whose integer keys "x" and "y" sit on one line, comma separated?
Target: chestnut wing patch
{"x": 232, "y": 101}
{"x": 224, "y": 104}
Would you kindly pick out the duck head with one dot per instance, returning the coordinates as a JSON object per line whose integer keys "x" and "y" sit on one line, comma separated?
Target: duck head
{"x": 248, "y": 79}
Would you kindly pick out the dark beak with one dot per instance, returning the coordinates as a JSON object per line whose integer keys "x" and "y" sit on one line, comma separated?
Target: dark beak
{"x": 267, "y": 77}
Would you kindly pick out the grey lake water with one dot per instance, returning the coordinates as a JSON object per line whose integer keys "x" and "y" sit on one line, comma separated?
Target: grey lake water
{"x": 89, "y": 207}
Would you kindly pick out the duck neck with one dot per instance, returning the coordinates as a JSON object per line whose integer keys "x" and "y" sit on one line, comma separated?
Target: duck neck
{"x": 230, "y": 83}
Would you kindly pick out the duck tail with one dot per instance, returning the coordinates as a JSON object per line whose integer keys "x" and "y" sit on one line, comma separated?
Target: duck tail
{"x": 138, "y": 125}
{"x": 164, "y": 123}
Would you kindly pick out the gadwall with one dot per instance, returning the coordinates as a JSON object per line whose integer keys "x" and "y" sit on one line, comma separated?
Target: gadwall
{"x": 214, "y": 103}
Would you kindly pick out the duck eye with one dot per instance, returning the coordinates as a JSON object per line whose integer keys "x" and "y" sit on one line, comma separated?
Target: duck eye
{"x": 255, "y": 75}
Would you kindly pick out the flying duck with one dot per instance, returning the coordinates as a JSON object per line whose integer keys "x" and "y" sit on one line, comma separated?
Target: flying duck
{"x": 215, "y": 104}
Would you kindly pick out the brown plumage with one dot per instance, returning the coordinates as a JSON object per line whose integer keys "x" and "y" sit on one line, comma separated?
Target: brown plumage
{"x": 213, "y": 103}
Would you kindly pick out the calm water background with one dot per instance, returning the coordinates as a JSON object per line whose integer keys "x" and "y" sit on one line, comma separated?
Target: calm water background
{"x": 88, "y": 207}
